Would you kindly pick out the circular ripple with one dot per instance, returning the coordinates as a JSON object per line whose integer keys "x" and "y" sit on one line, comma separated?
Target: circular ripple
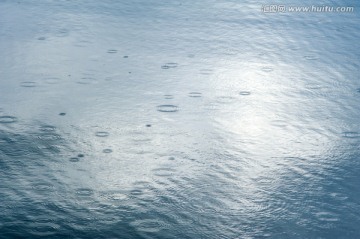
{"x": 28, "y": 84}
{"x": 136, "y": 192}
{"x": 206, "y": 71}
{"x": 74, "y": 159}
{"x": 267, "y": 69}
{"x": 49, "y": 136}
{"x": 7, "y": 119}
{"x": 112, "y": 51}
{"x": 313, "y": 86}
{"x": 114, "y": 195}
{"x": 62, "y": 32}
{"x": 168, "y": 97}
{"x": 244, "y": 93}
{"x": 164, "y": 172}
{"x": 311, "y": 57}
{"x": 102, "y": 134}
{"x": 141, "y": 139}
{"x": 271, "y": 207}
{"x": 52, "y": 80}
{"x": 107, "y": 151}
{"x": 351, "y": 135}
{"x": 327, "y": 216}
{"x": 225, "y": 99}
{"x": 169, "y": 65}
{"x": 47, "y": 128}
{"x": 167, "y": 108}
{"x": 148, "y": 225}
{"x": 86, "y": 81}
{"x": 279, "y": 123}
{"x": 41, "y": 187}
{"x": 43, "y": 228}
{"x": 195, "y": 94}
{"x": 84, "y": 192}
{"x": 82, "y": 43}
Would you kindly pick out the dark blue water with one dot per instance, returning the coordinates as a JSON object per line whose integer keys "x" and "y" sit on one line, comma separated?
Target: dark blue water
{"x": 178, "y": 119}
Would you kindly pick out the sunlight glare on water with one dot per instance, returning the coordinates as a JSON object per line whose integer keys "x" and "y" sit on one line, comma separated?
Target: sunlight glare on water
{"x": 206, "y": 119}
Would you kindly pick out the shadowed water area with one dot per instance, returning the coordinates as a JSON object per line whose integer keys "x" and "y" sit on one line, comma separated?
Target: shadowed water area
{"x": 178, "y": 119}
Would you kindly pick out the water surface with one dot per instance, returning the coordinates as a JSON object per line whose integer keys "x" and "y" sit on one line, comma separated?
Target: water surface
{"x": 206, "y": 119}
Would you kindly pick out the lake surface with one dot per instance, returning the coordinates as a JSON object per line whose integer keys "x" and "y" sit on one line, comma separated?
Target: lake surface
{"x": 178, "y": 119}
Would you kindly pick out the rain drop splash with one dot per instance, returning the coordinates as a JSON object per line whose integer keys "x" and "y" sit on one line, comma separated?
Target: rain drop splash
{"x": 62, "y": 32}
{"x": 148, "y": 225}
{"x": 313, "y": 86}
{"x": 107, "y": 151}
{"x": 167, "y": 108}
{"x": 279, "y": 123}
{"x": 136, "y": 192}
{"x": 84, "y": 192}
{"x": 164, "y": 172}
{"x": 327, "y": 216}
{"x": 206, "y": 71}
{"x": 28, "y": 84}
{"x": 351, "y": 135}
{"x": 226, "y": 99}
{"x": 267, "y": 69}
{"x": 42, "y": 228}
{"x": 48, "y": 136}
{"x": 47, "y": 128}
{"x": 52, "y": 80}
{"x": 74, "y": 159}
{"x": 114, "y": 195}
{"x": 244, "y": 93}
{"x": 86, "y": 80}
{"x": 42, "y": 187}
{"x": 311, "y": 57}
{"x": 168, "y": 97}
{"x": 195, "y": 94}
{"x": 7, "y": 119}
{"x": 169, "y": 65}
{"x": 102, "y": 134}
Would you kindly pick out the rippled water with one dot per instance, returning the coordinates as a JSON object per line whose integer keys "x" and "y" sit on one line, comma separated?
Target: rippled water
{"x": 178, "y": 119}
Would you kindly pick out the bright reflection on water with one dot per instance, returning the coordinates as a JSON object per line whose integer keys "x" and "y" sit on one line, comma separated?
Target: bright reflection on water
{"x": 206, "y": 119}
